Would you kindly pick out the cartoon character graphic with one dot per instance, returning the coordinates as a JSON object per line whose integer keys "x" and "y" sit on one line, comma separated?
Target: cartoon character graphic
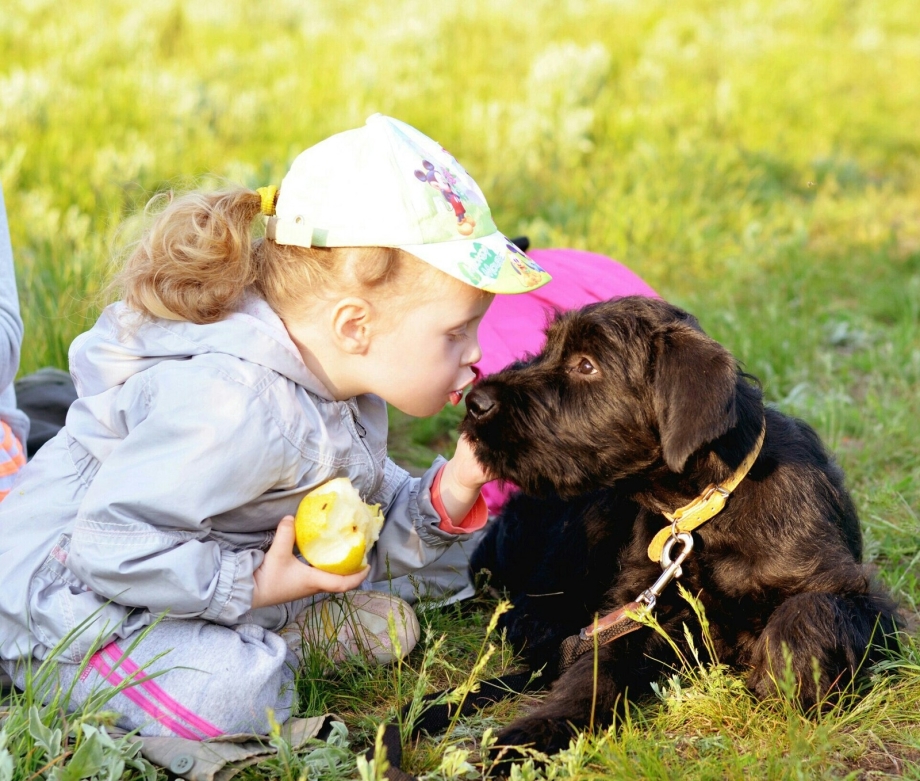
{"x": 441, "y": 181}
{"x": 530, "y": 272}
{"x": 485, "y": 264}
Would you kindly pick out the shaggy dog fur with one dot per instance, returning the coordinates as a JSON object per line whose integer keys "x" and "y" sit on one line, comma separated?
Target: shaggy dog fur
{"x": 631, "y": 410}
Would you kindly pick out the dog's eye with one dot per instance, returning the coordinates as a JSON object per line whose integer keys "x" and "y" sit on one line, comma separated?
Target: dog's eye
{"x": 584, "y": 366}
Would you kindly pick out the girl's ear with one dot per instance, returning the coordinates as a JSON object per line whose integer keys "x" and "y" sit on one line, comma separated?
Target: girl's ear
{"x": 352, "y": 321}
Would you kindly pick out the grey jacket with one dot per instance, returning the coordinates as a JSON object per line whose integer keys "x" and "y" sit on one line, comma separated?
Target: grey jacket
{"x": 187, "y": 444}
{"x": 10, "y": 334}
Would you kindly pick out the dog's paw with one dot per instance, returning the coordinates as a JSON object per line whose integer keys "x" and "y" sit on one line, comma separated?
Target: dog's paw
{"x": 531, "y": 737}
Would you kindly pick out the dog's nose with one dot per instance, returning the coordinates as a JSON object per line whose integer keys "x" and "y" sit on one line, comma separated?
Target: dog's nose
{"x": 481, "y": 404}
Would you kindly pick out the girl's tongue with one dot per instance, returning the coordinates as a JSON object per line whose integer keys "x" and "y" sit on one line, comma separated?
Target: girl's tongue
{"x": 457, "y": 395}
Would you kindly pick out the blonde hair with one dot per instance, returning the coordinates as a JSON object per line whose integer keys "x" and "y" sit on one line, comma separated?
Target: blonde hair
{"x": 198, "y": 257}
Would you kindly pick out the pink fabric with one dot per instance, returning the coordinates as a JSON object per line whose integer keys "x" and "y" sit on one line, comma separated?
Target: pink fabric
{"x": 514, "y": 325}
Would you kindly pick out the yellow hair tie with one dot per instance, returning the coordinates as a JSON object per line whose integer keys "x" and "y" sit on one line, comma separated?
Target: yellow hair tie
{"x": 268, "y": 194}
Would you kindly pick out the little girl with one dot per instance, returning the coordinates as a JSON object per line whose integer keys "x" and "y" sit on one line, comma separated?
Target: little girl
{"x": 154, "y": 532}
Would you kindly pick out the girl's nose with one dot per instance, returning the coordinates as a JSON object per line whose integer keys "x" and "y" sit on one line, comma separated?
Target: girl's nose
{"x": 474, "y": 355}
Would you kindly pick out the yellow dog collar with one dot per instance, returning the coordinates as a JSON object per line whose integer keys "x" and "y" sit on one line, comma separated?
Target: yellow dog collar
{"x": 707, "y": 505}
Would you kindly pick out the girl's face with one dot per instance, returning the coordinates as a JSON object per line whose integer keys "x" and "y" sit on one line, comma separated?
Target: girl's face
{"x": 423, "y": 359}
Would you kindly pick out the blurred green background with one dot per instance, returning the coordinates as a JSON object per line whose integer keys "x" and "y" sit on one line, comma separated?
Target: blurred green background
{"x": 757, "y": 162}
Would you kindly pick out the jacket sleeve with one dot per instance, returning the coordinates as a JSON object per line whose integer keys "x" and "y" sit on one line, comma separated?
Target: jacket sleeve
{"x": 411, "y": 537}
{"x": 141, "y": 537}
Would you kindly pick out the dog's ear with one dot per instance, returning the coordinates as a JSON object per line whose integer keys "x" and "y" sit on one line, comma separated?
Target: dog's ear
{"x": 694, "y": 390}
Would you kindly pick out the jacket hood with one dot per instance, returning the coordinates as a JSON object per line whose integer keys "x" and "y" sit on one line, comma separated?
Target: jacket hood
{"x": 122, "y": 343}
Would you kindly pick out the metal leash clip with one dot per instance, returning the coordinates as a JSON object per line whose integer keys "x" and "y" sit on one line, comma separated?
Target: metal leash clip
{"x": 671, "y": 568}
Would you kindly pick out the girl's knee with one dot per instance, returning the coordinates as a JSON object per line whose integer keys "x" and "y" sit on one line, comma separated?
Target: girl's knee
{"x": 255, "y": 685}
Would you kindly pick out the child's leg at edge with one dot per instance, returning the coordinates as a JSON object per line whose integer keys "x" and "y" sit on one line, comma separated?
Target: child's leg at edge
{"x": 214, "y": 680}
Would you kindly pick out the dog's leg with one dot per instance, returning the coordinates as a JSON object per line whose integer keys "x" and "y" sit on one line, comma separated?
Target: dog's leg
{"x": 580, "y": 699}
{"x": 514, "y": 549}
{"x": 537, "y": 625}
{"x": 825, "y": 635}
{"x": 556, "y": 559}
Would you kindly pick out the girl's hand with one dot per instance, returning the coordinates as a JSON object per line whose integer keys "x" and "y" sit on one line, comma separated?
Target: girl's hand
{"x": 461, "y": 480}
{"x": 282, "y": 577}
{"x": 465, "y": 470}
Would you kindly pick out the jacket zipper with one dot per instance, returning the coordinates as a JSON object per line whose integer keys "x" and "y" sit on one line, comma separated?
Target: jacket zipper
{"x": 362, "y": 435}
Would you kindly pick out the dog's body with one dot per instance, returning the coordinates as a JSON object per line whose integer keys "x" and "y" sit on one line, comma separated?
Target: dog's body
{"x": 631, "y": 411}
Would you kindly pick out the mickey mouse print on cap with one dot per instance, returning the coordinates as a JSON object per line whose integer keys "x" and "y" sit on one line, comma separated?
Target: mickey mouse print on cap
{"x": 388, "y": 185}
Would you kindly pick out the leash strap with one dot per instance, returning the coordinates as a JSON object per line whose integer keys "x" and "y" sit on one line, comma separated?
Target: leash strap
{"x": 619, "y": 622}
{"x": 606, "y": 629}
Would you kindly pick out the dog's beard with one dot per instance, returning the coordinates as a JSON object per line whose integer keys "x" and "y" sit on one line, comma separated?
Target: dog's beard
{"x": 539, "y": 468}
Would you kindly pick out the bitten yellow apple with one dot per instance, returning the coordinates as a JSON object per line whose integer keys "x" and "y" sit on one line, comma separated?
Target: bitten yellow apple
{"x": 334, "y": 529}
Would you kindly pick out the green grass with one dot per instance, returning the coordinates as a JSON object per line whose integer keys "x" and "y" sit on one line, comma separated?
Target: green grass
{"x": 757, "y": 161}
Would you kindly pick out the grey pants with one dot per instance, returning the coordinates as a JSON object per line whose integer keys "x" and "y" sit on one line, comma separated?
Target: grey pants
{"x": 199, "y": 679}
{"x": 192, "y": 679}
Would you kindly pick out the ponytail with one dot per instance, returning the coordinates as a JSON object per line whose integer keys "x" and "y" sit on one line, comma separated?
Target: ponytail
{"x": 196, "y": 259}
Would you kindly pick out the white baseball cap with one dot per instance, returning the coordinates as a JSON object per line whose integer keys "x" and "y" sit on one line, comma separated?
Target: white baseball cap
{"x": 388, "y": 185}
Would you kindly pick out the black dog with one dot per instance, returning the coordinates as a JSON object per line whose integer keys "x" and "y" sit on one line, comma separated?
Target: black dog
{"x": 631, "y": 411}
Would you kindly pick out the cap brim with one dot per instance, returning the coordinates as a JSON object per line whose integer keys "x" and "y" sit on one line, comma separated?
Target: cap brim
{"x": 492, "y": 263}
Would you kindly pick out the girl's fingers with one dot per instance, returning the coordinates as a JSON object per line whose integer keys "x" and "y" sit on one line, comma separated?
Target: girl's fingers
{"x": 283, "y": 577}
{"x": 284, "y": 534}
{"x": 336, "y": 584}
{"x": 470, "y": 471}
